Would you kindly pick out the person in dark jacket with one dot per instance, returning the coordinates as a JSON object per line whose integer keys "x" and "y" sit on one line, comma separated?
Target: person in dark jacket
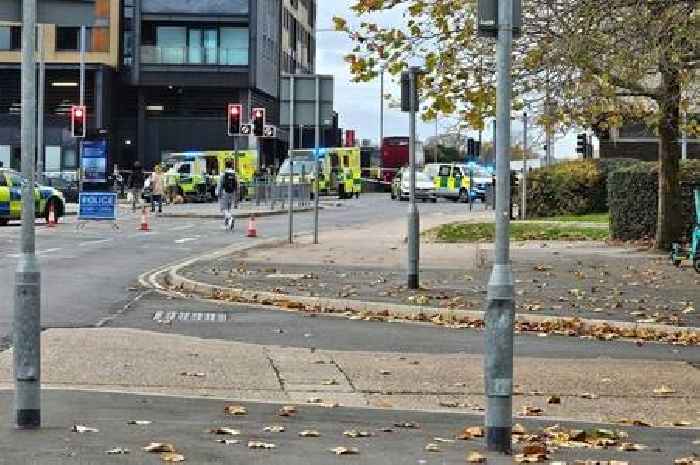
{"x": 136, "y": 182}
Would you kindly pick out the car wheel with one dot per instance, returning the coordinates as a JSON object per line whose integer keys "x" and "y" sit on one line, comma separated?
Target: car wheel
{"x": 393, "y": 196}
{"x": 696, "y": 265}
{"x": 434, "y": 200}
{"x": 4, "y": 222}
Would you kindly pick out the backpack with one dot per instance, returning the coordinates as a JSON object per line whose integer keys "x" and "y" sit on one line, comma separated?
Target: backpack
{"x": 229, "y": 184}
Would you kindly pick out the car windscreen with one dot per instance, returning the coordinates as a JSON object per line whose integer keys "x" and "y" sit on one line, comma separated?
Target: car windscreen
{"x": 306, "y": 166}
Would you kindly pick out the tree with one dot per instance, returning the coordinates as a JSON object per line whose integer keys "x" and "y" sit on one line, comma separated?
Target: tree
{"x": 579, "y": 62}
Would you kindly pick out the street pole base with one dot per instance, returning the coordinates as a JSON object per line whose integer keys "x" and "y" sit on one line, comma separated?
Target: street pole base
{"x": 28, "y": 419}
{"x": 413, "y": 281}
{"x": 498, "y": 439}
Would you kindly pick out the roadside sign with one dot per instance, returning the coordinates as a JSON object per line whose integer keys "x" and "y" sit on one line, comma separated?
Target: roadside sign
{"x": 269, "y": 131}
{"x": 98, "y": 206}
{"x": 94, "y": 161}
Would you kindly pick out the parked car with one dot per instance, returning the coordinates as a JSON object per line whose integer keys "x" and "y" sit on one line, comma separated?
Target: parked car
{"x": 425, "y": 190}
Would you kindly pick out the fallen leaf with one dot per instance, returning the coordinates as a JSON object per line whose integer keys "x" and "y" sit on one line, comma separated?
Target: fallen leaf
{"x": 518, "y": 429}
{"x": 260, "y": 445}
{"x": 235, "y": 410}
{"x": 329, "y": 382}
{"x": 193, "y": 374}
{"x": 288, "y": 411}
{"x": 345, "y": 450}
{"x": 159, "y": 447}
{"x": 588, "y": 395}
{"x": 84, "y": 429}
{"x": 432, "y": 448}
{"x": 408, "y": 425}
{"x": 534, "y": 449}
{"x": 117, "y": 451}
{"x": 475, "y": 457}
{"x": 554, "y": 400}
{"x": 172, "y": 457}
{"x": 309, "y": 434}
{"x": 274, "y": 429}
{"x": 529, "y": 411}
{"x": 630, "y": 447}
{"x": 228, "y": 442}
{"x": 384, "y": 372}
{"x": 225, "y": 431}
{"x": 687, "y": 461}
{"x": 664, "y": 391}
{"x": 314, "y": 400}
{"x": 357, "y": 434}
{"x": 531, "y": 458}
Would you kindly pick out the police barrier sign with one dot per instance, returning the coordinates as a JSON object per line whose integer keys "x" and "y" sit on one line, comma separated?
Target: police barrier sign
{"x": 98, "y": 206}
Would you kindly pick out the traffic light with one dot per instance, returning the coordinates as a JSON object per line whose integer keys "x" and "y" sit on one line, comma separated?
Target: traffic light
{"x": 471, "y": 148}
{"x": 77, "y": 121}
{"x": 582, "y": 144}
{"x": 235, "y": 111}
{"x": 258, "y": 118}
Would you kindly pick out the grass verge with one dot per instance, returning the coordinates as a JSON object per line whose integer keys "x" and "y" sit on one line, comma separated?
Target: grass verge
{"x": 601, "y": 218}
{"x": 480, "y": 232}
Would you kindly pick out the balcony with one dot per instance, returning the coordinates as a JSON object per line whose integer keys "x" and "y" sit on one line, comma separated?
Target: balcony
{"x": 194, "y": 56}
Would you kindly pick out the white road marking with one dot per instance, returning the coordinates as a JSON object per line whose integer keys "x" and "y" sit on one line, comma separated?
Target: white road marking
{"x": 187, "y": 239}
{"x": 38, "y": 253}
{"x": 182, "y": 228}
{"x": 100, "y": 241}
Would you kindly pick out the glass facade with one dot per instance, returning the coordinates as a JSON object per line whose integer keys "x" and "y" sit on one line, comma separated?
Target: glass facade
{"x": 195, "y": 45}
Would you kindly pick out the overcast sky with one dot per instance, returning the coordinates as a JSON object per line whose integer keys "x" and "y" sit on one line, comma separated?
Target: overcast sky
{"x": 358, "y": 103}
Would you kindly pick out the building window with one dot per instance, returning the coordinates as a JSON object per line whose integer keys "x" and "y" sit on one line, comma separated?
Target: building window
{"x": 172, "y": 44}
{"x": 10, "y": 37}
{"x": 234, "y": 46}
{"x": 68, "y": 39}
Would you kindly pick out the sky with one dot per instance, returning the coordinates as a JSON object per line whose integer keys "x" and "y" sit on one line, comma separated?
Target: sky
{"x": 358, "y": 103}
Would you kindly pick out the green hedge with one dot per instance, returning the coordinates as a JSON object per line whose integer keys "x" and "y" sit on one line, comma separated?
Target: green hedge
{"x": 571, "y": 188}
{"x": 633, "y": 199}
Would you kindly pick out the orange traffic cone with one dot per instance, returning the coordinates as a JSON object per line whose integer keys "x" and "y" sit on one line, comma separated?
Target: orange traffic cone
{"x": 252, "y": 232}
{"x": 144, "y": 220}
{"x": 52, "y": 216}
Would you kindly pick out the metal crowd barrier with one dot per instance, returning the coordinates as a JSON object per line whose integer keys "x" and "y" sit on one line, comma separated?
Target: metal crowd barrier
{"x": 268, "y": 192}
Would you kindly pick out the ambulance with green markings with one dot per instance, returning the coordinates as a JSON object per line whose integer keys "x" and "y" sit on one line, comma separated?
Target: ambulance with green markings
{"x": 341, "y": 172}
{"x": 195, "y": 175}
{"x": 451, "y": 180}
{"x": 45, "y": 198}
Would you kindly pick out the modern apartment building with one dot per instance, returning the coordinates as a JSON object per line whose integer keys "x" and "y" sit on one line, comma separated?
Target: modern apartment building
{"x": 160, "y": 74}
{"x": 183, "y": 61}
{"x": 60, "y": 46}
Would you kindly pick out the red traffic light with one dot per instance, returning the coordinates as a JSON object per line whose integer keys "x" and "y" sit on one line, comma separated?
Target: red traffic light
{"x": 234, "y": 110}
{"x": 78, "y": 113}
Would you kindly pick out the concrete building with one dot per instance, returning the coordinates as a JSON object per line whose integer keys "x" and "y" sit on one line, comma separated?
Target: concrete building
{"x": 60, "y": 47}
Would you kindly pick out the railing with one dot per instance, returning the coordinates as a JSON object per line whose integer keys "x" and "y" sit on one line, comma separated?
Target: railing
{"x": 267, "y": 191}
{"x": 194, "y": 56}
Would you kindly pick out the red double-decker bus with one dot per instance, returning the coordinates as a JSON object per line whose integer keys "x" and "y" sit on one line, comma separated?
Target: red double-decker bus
{"x": 395, "y": 152}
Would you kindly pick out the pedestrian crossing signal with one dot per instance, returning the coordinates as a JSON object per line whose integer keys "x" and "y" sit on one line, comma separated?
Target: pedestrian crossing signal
{"x": 77, "y": 121}
{"x": 246, "y": 129}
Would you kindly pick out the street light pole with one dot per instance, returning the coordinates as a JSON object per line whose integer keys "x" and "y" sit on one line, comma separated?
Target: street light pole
{"x": 523, "y": 213}
{"x": 290, "y": 191}
{"x": 317, "y": 165}
{"x": 40, "y": 107}
{"x": 381, "y": 109}
{"x": 500, "y": 312}
{"x": 26, "y": 332}
{"x": 413, "y": 214}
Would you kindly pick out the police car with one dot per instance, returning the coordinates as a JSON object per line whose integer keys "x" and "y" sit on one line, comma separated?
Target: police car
{"x": 11, "y": 198}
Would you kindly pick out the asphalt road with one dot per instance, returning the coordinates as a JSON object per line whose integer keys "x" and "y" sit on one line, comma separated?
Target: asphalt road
{"x": 255, "y": 325}
{"x": 185, "y": 423}
{"x": 86, "y": 273}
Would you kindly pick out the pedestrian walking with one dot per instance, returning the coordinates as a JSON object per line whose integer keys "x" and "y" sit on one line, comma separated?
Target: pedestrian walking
{"x": 136, "y": 183}
{"x": 157, "y": 189}
{"x": 227, "y": 191}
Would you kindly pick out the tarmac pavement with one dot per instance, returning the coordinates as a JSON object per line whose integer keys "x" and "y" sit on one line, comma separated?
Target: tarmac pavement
{"x": 184, "y": 423}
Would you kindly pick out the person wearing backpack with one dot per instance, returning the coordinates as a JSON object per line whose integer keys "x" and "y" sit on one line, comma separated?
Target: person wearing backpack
{"x": 227, "y": 190}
